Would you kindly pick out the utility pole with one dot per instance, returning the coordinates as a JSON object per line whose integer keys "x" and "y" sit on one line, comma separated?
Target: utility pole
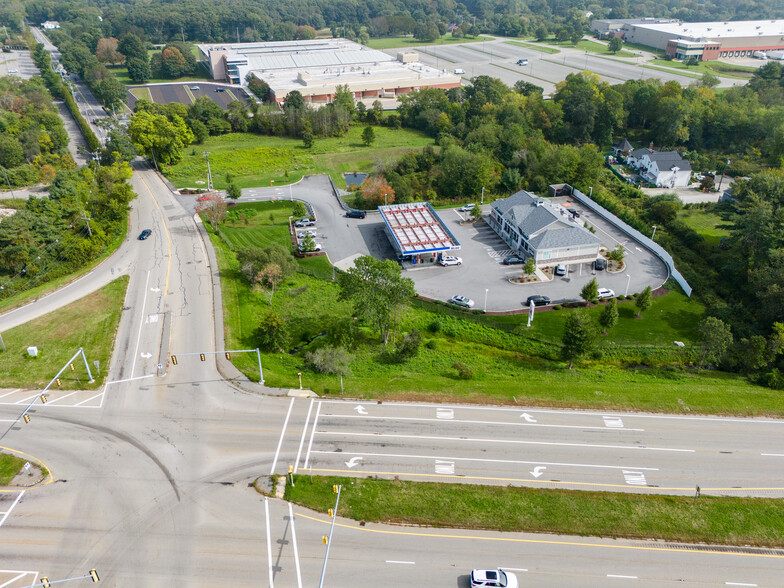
{"x": 209, "y": 173}
{"x": 87, "y": 220}
{"x": 9, "y": 183}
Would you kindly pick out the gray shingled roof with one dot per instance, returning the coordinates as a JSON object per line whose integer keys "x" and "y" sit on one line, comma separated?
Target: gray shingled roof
{"x": 637, "y": 153}
{"x": 623, "y": 145}
{"x": 563, "y": 236}
{"x": 669, "y": 159}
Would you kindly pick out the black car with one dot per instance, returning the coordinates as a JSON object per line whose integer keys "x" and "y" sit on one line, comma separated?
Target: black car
{"x": 513, "y": 260}
{"x": 538, "y": 300}
{"x": 144, "y": 234}
{"x": 600, "y": 264}
{"x": 356, "y": 214}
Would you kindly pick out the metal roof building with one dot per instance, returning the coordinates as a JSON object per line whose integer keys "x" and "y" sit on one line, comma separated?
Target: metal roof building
{"x": 415, "y": 230}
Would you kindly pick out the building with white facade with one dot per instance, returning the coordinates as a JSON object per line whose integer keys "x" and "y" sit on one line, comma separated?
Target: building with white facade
{"x": 547, "y": 232}
{"x": 663, "y": 169}
{"x": 317, "y": 67}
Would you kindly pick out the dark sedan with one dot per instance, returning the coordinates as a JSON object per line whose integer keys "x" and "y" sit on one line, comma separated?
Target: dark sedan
{"x": 513, "y": 260}
{"x": 144, "y": 234}
{"x": 538, "y": 300}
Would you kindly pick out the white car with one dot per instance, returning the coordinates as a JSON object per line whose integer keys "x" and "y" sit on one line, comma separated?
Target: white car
{"x": 493, "y": 579}
{"x": 316, "y": 247}
{"x": 605, "y": 293}
{"x": 467, "y": 207}
{"x": 450, "y": 260}
{"x": 462, "y": 301}
{"x": 560, "y": 270}
{"x": 13, "y": 71}
{"x": 305, "y": 233}
{"x": 305, "y": 222}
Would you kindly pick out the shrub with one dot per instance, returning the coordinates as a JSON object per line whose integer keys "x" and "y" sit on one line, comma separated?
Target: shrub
{"x": 557, "y": 307}
{"x": 432, "y": 344}
{"x": 342, "y": 332}
{"x": 435, "y": 325}
{"x": 408, "y": 347}
{"x": 463, "y": 371}
{"x": 329, "y": 360}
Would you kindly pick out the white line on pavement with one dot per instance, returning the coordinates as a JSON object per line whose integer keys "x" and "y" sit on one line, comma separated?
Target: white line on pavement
{"x": 130, "y": 379}
{"x": 312, "y": 434}
{"x": 282, "y": 434}
{"x": 18, "y": 577}
{"x": 302, "y": 440}
{"x": 519, "y": 442}
{"x": 470, "y": 422}
{"x": 269, "y": 544}
{"x": 294, "y": 543}
{"x": 141, "y": 322}
{"x": 8, "y": 512}
{"x": 623, "y": 577}
{"x": 773, "y": 454}
{"x": 737, "y": 584}
{"x": 28, "y": 399}
{"x": 89, "y": 399}
{"x": 53, "y": 400}
{"x": 510, "y": 461}
{"x": 394, "y": 561}
{"x": 11, "y": 392}
{"x": 514, "y": 569}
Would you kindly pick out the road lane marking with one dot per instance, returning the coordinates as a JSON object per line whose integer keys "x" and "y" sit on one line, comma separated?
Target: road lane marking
{"x": 28, "y": 399}
{"x": 773, "y": 454}
{"x": 395, "y": 561}
{"x": 470, "y": 422}
{"x": 53, "y": 400}
{"x": 269, "y": 544}
{"x": 507, "y": 539}
{"x": 613, "y": 422}
{"x": 20, "y": 575}
{"x": 514, "y": 441}
{"x": 312, "y": 434}
{"x": 294, "y": 543}
{"x": 130, "y": 379}
{"x": 282, "y": 434}
{"x": 737, "y": 584}
{"x": 634, "y": 478}
{"x": 141, "y": 322}
{"x": 8, "y": 512}
{"x": 514, "y": 569}
{"x": 168, "y": 237}
{"x": 623, "y": 577}
{"x": 302, "y": 439}
{"x": 89, "y": 399}
{"x": 445, "y": 467}
{"x": 14, "y": 391}
{"x": 484, "y": 460}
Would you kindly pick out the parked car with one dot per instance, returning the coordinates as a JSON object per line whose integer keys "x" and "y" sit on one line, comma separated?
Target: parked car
{"x": 513, "y": 260}
{"x": 605, "y": 293}
{"x": 13, "y": 71}
{"x": 467, "y": 207}
{"x": 356, "y": 214}
{"x": 195, "y": 88}
{"x": 144, "y": 234}
{"x": 600, "y": 264}
{"x": 493, "y": 579}
{"x": 462, "y": 301}
{"x": 538, "y": 300}
{"x": 303, "y": 234}
{"x": 304, "y": 222}
{"x": 220, "y": 89}
{"x": 450, "y": 260}
{"x": 560, "y": 270}
{"x": 316, "y": 247}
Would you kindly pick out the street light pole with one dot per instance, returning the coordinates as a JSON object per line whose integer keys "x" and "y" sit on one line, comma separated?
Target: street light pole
{"x": 486, "y": 291}
{"x": 721, "y": 179}
{"x": 9, "y": 183}
{"x": 483, "y": 195}
{"x": 329, "y": 539}
{"x": 628, "y": 280}
{"x": 654, "y": 232}
{"x": 209, "y": 173}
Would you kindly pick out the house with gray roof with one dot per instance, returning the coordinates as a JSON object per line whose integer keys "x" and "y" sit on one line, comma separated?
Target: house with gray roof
{"x": 623, "y": 148}
{"x": 547, "y": 232}
{"x": 665, "y": 169}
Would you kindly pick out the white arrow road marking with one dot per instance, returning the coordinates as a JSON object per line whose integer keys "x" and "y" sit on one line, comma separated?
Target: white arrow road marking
{"x": 613, "y": 422}
{"x": 155, "y": 289}
{"x": 634, "y": 478}
{"x": 360, "y": 409}
{"x": 353, "y": 461}
{"x": 528, "y": 418}
{"x": 445, "y": 413}
{"x": 445, "y": 467}
{"x": 538, "y": 471}
{"x": 151, "y": 318}
{"x": 145, "y": 355}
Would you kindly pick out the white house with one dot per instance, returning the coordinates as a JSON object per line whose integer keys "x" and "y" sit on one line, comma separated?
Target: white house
{"x": 534, "y": 227}
{"x": 665, "y": 169}
{"x": 51, "y": 24}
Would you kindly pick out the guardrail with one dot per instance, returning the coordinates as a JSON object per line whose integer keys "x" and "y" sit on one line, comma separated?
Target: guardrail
{"x": 649, "y": 244}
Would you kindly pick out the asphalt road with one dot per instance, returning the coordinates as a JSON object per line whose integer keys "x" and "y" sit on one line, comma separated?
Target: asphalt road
{"x": 151, "y": 486}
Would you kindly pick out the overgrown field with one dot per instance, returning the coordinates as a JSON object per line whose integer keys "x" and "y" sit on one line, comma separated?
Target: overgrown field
{"x": 724, "y": 521}
{"x": 259, "y": 160}
{"x": 635, "y": 368}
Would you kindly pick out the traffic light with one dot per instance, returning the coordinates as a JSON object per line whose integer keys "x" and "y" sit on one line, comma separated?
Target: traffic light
{"x": 43, "y": 398}
{"x": 58, "y": 382}
{"x": 26, "y": 418}
{"x": 228, "y": 355}
{"x": 73, "y": 369}
{"x": 201, "y": 357}
{"x": 94, "y": 576}
{"x": 45, "y": 582}
{"x": 331, "y": 513}
{"x": 174, "y": 360}
{"x": 324, "y": 539}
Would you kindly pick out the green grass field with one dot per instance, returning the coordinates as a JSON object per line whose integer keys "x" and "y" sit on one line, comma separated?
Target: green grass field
{"x": 723, "y": 521}
{"x": 395, "y": 42}
{"x": 726, "y": 70}
{"x": 589, "y": 46}
{"x": 511, "y": 364}
{"x": 708, "y": 224}
{"x": 9, "y": 467}
{"x": 535, "y": 47}
{"x": 90, "y": 323}
{"x": 256, "y": 160}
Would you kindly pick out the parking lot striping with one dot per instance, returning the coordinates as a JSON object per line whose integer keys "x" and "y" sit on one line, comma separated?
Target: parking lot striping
{"x": 28, "y": 399}
{"x": 507, "y": 441}
{"x": 20, "y": 575}
{"x": 302, "y": 439}
{"x": 294, "y": 544}
{"x": 282, "y": 434}
{"x": 312, "y": 434}
{"x": 8, "y": 512}
{"x": 91, "y": 398}
{"x": 11, "y": 392}
{"x": 483, "y": 460}
{"x": 506, "y": 539}
{"x": 622, "y": 577}
{"x": 395, "y": 561}
{"x": 472, "y": 422}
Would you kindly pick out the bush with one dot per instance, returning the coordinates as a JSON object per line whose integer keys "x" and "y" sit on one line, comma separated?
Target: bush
{"x": 342, "y": 333}
{"x": 557, "y": 307}
{"x": 408, "y": 347}
{"x": 432, "y": 344}
{"x": 329, "y": 360}
{"x": 463, "y": 371}
{"x": 435, "y": 325}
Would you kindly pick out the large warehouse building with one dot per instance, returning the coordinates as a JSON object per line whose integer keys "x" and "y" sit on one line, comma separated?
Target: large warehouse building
{"x": 704, "y": 41}
{"x": 316, "y": 68}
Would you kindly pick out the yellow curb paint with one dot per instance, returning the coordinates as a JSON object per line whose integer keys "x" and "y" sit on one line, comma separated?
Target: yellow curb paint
{"x": 48, "y": 480}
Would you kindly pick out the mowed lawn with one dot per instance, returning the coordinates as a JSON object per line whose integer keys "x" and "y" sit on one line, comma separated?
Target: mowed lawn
{"x": 260, "y": 160}
{"x": 90, "y": 323}
{"x": 9, "y": 467}
{"x": 395, "y": 42}
{"x": 587, "y": 45}
{"x": 708, "y": 224}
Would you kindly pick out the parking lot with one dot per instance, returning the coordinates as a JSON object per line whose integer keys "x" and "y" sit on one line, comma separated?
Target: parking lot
{"x": 221, "y": 94}
{"x": 482, "y": 252}
{"x": 17, "y": 63}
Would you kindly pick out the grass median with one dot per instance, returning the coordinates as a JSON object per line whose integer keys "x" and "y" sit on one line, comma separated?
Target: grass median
{"x": 718, "y": 521}
{"x": 10, "y": 465}
{"x": 90, "y": 323}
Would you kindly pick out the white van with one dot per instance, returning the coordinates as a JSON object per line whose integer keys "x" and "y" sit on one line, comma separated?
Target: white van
{"x": 459, "y": 72}
{"x": 522, "y": 62}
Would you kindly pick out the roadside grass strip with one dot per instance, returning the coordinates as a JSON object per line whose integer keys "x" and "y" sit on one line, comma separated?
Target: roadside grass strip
{"x": 10, "y": 465}
{"x": 755, "y": 522}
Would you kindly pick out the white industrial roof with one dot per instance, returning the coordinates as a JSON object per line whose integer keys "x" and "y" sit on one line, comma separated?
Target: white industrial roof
{"x": 711, "y": 30}
{"x": 417, "y": 228}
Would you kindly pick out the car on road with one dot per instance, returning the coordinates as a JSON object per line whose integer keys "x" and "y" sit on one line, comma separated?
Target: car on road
{"x": 560, "y": 270}
{"x": 304, "y": 222}
{"x": 513, "y": 260}
{"x": 599, "y": 264}
{"x": 467, "y": 207}
{"x": 522, "y": 62}
{"x": 356, "y": 213}
{"x": 538, "y": 300}
{"x": 450, "y": 260}
{"x": 493, "y": 579}
{"x": 144, "y": 234}
{"x": 220, "y": 89}
{"x": 605, "y": 293}
{"x": 195, "y": 88}
{"x": 462, "y": 301}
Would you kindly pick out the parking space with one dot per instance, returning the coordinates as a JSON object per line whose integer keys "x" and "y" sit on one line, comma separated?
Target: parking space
{"x": 221, "y": 94}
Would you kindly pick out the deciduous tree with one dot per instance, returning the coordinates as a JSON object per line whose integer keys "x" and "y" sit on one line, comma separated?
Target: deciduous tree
{"x": 579, "y": 336}
{"x": 609, "y": 316}
{"x": 715, "y": 339}
{"x": 590, "y": 292}
{"x": 376, "y": 191}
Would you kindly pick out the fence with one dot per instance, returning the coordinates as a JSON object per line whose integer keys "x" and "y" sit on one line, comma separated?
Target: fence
{"x": 649, "y": 244}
